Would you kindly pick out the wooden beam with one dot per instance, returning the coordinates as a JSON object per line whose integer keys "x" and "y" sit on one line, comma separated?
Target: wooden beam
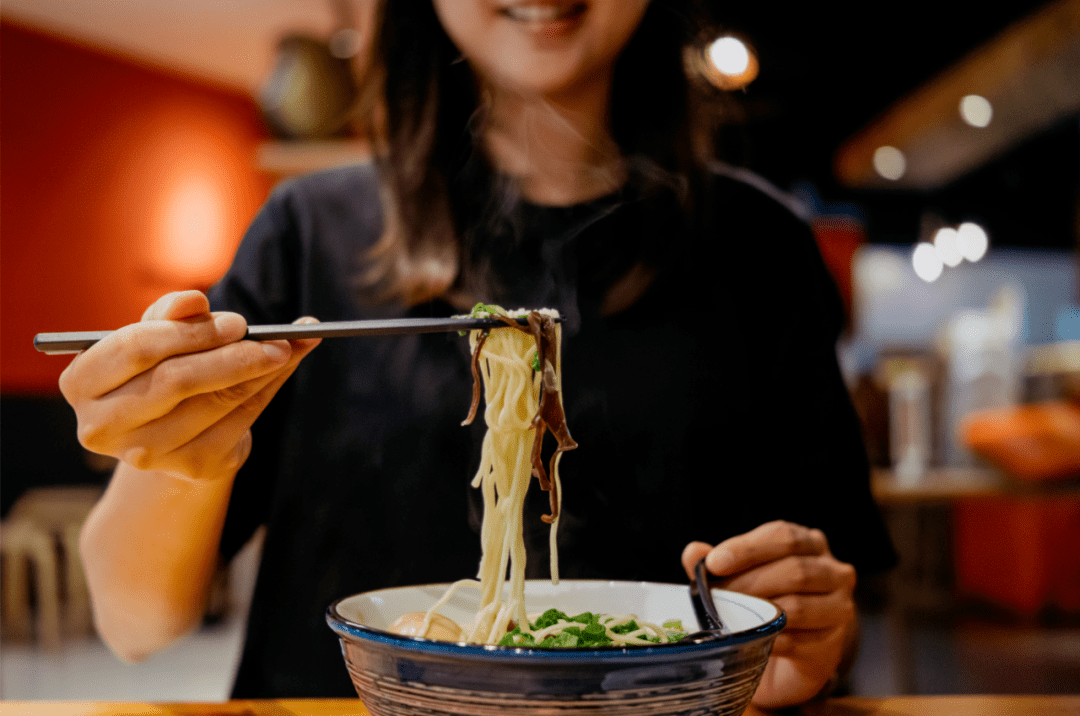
{"x": 1031, "y": 76}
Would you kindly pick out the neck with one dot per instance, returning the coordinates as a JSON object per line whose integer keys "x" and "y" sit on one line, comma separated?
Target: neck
{"x": 559, "y": 150}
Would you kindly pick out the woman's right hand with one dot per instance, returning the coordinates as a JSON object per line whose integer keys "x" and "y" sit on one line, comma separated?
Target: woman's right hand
{"x": 178, "y": 391}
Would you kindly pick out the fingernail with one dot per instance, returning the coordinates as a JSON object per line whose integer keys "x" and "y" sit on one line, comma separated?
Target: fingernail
{"x": 276, "y": 352}
{"x": 230, "y": 326}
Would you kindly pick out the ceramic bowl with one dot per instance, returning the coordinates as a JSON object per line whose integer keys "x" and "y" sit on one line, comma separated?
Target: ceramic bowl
{"x": 412, "y": 676}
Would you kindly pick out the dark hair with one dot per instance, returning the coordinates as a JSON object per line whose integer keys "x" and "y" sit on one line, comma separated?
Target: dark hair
{"x": 422, "y": 111}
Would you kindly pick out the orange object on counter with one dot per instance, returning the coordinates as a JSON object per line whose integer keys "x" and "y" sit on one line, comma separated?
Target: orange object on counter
{"x": 1037, "y": 441}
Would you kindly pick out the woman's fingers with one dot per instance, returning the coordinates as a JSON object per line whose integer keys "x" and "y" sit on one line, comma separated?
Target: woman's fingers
{"x": 139, "y": 347}
{"x": 818, "y": 574}
{"x": 235, "y": 428}
{"x": 791, "y": 565}
{"x": 816, "y": 612}
{"x": 190, "y": 446}
{"x": 222, "y": 375}
{"x": 221, "y": 379}
{"x": 179, "y": 391}
{"x": 224, "y": 415}
{"x": 94, "y": 372}
{"x": 182, "y": 423}
{"x": 814, "y": 591}
{"x": 769, "y": 542}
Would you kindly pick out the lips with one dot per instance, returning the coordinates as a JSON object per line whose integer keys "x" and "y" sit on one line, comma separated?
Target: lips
{"x": 543, "y": 12}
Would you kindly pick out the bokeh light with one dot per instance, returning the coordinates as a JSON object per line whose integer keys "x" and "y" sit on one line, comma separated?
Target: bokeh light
{"x": 925, "y": 260}
{"x": 729, "y": 55}
{"x": 727, "y": 62}
{"x": 972, "y": 241}
{"x": 889, "y": 162}
{"x": 946, "y": 245}
{"x": 976, "y": 110}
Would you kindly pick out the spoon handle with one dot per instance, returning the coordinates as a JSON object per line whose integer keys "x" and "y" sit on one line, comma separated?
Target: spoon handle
{"x": 701, "y": 595}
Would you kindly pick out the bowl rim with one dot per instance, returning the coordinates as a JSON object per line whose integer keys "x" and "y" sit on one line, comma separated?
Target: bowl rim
{"x": 343, "y": 625}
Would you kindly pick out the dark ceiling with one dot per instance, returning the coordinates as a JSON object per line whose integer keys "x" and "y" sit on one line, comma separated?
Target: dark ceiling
{"x": 828, "y": 69}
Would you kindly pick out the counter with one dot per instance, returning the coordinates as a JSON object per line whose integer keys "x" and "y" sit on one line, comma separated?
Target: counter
{"x": 849, "y": 706}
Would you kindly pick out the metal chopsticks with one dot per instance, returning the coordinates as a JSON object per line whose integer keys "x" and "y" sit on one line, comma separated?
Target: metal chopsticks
{"x": 56, "y": 343}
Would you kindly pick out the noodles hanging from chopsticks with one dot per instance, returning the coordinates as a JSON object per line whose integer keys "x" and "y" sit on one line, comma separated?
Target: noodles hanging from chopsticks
{"x": 520, "y": 371}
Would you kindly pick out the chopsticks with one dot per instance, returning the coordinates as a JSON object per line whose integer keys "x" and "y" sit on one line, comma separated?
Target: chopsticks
{"x": 58, "y": 343}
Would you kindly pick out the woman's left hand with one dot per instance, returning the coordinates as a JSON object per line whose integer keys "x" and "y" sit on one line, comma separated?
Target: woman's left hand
{"x": 792, "y": 566}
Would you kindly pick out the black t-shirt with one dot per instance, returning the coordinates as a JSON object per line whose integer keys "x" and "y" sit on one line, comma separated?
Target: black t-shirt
{"x": 710, "y": 405}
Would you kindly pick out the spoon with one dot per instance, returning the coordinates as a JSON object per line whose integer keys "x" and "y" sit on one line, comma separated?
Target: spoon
{"x": 704, "y": 609}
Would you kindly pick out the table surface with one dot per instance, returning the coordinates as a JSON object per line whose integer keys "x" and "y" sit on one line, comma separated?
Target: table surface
{"x": 850, "y": 706}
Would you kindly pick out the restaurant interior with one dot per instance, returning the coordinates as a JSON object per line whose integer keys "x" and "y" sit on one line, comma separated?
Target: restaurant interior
{"x": 935, "y": 152}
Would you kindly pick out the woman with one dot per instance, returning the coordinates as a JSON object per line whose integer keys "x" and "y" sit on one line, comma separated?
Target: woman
{"x": 531, "y": 153}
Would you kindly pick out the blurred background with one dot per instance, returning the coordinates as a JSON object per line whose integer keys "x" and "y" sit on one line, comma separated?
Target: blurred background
{"x": 936, "y": 152}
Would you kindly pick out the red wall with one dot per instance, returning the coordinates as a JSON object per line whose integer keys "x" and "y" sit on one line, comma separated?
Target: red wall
{"x": 118, "y": 182}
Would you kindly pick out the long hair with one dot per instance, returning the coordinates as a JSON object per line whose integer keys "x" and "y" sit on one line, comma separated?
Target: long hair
{"x": 422, "y": 111}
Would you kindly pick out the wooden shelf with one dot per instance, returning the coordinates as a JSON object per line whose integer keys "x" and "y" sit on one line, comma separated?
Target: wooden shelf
{"x": 289, "y": 158}
{"x": 945, "y": 485}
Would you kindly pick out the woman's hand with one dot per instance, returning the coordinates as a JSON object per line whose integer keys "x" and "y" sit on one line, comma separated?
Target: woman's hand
{"x": 178, "y": 391}
{"x": 792, "y": 566}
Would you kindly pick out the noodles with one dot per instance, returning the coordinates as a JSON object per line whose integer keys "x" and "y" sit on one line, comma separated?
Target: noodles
{"x": 520, "y": 371}
{"x": 521, "y": 375}
{"x": 503, "y": 476}
{"x": 515, "y": 394}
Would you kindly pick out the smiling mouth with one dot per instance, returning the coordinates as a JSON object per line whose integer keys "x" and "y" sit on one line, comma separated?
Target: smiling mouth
{"x": 543, "y": 12}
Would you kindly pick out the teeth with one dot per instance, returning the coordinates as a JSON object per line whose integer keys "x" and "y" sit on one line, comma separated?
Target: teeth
{"x": 539, "y": 13}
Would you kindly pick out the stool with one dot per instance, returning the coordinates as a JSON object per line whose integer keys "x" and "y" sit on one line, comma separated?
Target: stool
{"x": 26, "y": 547}
{"x": 54, "y": 515}
{"x": 78, "y": 617}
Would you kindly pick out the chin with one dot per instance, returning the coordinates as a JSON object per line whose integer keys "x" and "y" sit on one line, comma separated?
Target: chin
{"x": 549, "y": 78}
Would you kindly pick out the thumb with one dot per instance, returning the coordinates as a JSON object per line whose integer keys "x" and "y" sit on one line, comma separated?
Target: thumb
{"x": 177, "y": 305}
{"x": 692, "y": 554}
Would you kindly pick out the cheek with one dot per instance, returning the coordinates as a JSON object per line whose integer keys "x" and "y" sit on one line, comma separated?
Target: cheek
{"x": 465, "y": 23}
{"x": 613, "y": 27}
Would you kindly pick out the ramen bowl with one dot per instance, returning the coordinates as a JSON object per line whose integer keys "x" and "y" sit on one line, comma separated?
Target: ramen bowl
{"x": 397, "y": 675}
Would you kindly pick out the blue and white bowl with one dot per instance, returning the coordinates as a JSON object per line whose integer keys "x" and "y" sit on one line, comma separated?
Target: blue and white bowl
{"x": 400, "y": 675}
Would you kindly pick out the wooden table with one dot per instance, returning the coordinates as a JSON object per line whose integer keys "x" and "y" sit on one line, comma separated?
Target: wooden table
{"x": 894, "y": 706}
